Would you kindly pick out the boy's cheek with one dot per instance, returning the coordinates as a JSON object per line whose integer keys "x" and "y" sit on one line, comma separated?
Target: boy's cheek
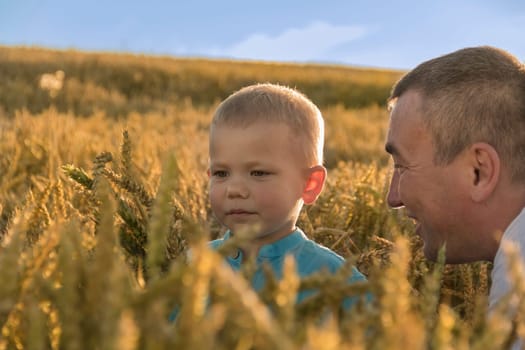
{"x": 213, "y": 198}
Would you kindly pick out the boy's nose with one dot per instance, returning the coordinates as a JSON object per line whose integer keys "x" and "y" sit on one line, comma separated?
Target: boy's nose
{"x": 236, "y": 189}
{"x": 393, "y": 199}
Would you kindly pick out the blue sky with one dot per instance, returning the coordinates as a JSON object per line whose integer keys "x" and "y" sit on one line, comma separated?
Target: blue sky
{"x": 374, "y": 33}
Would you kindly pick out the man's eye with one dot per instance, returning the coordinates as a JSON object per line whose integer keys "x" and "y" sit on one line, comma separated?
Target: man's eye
{"x": 258, "y": 173}
{"x": 220, "y": 173}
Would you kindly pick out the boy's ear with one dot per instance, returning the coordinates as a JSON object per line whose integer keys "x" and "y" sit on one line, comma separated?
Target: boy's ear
{"x": 485, "y": 171}
{"x": 314, "y": 184}
{"x": 208, "y": 172}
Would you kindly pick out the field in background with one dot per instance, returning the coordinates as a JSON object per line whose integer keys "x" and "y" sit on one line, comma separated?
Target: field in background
{"x": 121, "y": 84}
{"x": 103, "y": 188}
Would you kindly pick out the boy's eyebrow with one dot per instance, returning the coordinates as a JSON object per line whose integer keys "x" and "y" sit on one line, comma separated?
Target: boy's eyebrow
{"x": 215, "y": 164}
{"x": 249, "y": 164}
{"x": 256, "y": 163}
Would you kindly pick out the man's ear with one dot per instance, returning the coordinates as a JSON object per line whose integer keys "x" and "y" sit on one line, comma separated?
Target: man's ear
{"x": 485, "y": 167}
{"x": 314, "y": 184}
{"x": 208, "y": 172}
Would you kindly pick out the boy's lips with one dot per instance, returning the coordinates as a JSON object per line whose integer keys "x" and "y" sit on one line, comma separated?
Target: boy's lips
{"x": 239, "y": 212}
{"x": 240, "y": 215}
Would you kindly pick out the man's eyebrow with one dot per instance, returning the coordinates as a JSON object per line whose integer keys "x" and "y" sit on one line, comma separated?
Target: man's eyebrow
{"x": 391, "y": 149}
{"x": 394, "y": 152}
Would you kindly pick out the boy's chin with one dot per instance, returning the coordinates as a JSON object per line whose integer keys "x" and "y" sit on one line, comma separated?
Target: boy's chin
{"x": 247, "y": 231}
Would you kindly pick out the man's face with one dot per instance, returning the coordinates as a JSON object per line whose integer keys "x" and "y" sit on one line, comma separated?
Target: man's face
{"x": 434, "y": 196}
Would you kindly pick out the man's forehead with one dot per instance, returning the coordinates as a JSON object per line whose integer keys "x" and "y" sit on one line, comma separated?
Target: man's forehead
{"x": 405, "y": 124}
{"x": 407, "y": 109}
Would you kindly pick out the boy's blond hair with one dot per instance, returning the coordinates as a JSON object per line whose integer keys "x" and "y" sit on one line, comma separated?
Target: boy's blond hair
{"x": 274, "y": 103}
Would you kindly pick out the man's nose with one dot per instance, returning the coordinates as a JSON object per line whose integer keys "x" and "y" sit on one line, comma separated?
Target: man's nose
{"x": 393, "y": 199}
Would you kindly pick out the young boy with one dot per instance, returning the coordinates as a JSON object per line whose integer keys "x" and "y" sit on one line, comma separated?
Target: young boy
{"x": 266, "y": 155}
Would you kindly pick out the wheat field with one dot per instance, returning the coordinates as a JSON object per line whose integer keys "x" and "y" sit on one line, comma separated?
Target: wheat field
{"x": 98, "y": 207}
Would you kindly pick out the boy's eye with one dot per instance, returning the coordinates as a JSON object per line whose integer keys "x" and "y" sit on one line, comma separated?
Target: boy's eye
{"x": 220, "y": 173}
{"x": 259, "y": 173}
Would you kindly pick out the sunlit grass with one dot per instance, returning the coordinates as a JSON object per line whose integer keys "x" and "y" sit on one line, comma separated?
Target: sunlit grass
{"x": 97, "y": 215}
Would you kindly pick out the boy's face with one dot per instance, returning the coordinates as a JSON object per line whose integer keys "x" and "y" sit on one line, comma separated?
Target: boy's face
{"x": 257, "y": 178}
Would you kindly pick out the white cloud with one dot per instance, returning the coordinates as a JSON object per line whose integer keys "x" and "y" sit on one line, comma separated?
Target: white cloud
{"x": 295, "y": 44}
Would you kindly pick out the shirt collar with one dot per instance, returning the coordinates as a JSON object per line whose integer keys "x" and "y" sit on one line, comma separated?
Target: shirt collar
{"x": 513, "y": 233}
{"x": 277, "y": 248}
{"x": 282, "y": 246}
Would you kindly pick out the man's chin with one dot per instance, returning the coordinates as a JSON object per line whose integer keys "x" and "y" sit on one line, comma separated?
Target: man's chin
{"x": 433, "y": 254}
{"x": 430, "y": 254}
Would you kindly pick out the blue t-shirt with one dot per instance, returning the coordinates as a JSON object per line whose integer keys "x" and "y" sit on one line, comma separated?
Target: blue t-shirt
{"x": 310, "y": 257}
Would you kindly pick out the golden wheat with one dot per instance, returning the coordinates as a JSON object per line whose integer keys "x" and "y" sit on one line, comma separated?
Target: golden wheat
{"x": 98, "y": 258}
